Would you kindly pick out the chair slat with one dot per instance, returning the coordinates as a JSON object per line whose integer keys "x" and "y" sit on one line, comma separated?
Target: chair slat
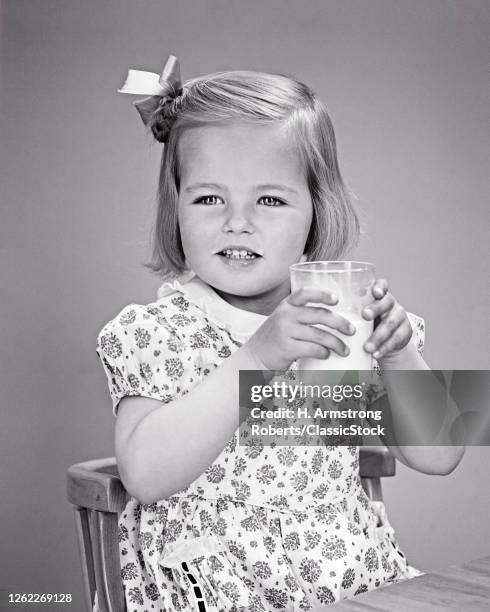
{"x": 372, "y": 488}
{"x": 85, "y": 548}
{"x": 104, "y": 530}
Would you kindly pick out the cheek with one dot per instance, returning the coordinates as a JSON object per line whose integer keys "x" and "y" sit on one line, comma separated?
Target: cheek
{"x": 195, "y": 235}
{"x": 187, "y": 227}
{"x": 295, "y": 233}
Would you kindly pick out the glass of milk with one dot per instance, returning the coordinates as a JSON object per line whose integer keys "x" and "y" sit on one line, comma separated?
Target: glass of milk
{"x": 351, "y": 282}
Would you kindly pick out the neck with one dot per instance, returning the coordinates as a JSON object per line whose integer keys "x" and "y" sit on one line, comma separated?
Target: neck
{"x": 263, "y": 304}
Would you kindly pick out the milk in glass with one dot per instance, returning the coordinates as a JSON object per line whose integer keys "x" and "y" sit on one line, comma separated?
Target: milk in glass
{"x": 357, "y": 359}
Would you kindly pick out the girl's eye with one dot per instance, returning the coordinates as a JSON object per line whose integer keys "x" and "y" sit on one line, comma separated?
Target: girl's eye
{"x": 208, "y": 200}
{"x": 272, "y": 201}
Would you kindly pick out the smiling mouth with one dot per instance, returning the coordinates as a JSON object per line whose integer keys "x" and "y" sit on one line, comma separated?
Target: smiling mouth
{"x": 238, "y": 254}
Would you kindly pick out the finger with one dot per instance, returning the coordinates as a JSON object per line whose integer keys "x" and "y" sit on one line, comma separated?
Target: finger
{"x": 380, "y": 288}
{"x": 312, "y": 294}
{"x": 387, "y": 328}
{"x": 379, "y": 307}
{"x": 308, "y": 349}
{"x": 312, "y": 315}
{"x": 311, "y": 333}
{"x": 397, "y": 341}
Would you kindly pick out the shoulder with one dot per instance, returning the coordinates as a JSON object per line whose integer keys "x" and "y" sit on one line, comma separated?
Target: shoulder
{"x": 170, "y": 322}
{"x": 144, "y": 352}
{"x": 127, "y": 323}
{"x": 167, "y": 314}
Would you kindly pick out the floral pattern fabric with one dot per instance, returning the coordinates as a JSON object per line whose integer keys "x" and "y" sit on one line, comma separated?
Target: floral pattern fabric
{"x": 264, "y": 527}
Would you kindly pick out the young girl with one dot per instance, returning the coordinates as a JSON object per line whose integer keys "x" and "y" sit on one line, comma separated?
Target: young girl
{"x": 249, "y": 185}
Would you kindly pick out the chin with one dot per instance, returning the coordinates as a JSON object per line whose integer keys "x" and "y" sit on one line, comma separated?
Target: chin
{"x": 236, "y": 285}
{"x": 242, "y": 283}
{"x": 239, "y": 288}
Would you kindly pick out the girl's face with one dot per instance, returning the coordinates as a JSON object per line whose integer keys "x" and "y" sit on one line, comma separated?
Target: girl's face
{"x": 243, "y": 188}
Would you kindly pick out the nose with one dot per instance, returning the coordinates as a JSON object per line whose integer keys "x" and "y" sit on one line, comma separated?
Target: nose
{"x": 238, "y": 219}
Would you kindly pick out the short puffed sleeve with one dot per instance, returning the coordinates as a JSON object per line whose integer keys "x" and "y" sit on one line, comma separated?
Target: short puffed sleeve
{"x": 377, "y": 388}
{"x": 142, "y": 354}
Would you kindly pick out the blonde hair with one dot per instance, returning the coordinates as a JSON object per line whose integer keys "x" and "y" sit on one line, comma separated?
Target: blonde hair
{"x": 260, "y": 98}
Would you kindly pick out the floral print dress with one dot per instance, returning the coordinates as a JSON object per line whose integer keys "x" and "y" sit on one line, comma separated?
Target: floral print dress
{"x": 264, "y": 528}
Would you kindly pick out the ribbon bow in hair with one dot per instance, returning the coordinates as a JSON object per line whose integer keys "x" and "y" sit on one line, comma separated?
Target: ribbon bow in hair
{"x": 167, "y": 86}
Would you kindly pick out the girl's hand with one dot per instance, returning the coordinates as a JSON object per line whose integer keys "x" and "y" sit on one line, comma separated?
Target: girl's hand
{"x": 288, "y": 333}
{"x": 392, "y": 329}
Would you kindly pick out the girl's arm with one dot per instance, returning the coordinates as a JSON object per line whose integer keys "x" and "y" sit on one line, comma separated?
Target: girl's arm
{"x": 418, "y": 404}
{"x": 162, "y": 448}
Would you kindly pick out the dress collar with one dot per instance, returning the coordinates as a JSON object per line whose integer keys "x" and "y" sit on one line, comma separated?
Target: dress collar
{"x": 241, "y": 324}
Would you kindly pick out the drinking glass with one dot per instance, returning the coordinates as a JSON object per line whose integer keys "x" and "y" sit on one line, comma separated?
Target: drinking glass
{"x": 351, "y": 281}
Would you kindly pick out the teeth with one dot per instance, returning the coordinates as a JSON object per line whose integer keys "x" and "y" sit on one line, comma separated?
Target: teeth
{"x": 236, "y": 254}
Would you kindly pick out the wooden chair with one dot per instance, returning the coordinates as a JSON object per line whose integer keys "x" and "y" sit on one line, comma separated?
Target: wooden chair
{"x": 99, "y": 497}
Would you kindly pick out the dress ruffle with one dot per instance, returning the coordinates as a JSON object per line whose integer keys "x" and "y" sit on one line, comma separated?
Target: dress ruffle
{"x": 240, "y": 324}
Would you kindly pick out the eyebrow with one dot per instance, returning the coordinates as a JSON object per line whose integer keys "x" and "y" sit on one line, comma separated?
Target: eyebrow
{"x": 277, "y": 187}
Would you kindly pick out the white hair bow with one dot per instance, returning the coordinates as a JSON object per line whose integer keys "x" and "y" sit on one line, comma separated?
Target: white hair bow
{"x": 168, "y": 84}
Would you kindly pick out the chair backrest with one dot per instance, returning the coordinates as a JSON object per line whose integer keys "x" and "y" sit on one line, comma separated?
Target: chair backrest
{"x": 99, "y": 497}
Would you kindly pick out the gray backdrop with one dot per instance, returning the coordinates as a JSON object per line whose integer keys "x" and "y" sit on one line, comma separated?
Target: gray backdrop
{"x": 404, "y": 82}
